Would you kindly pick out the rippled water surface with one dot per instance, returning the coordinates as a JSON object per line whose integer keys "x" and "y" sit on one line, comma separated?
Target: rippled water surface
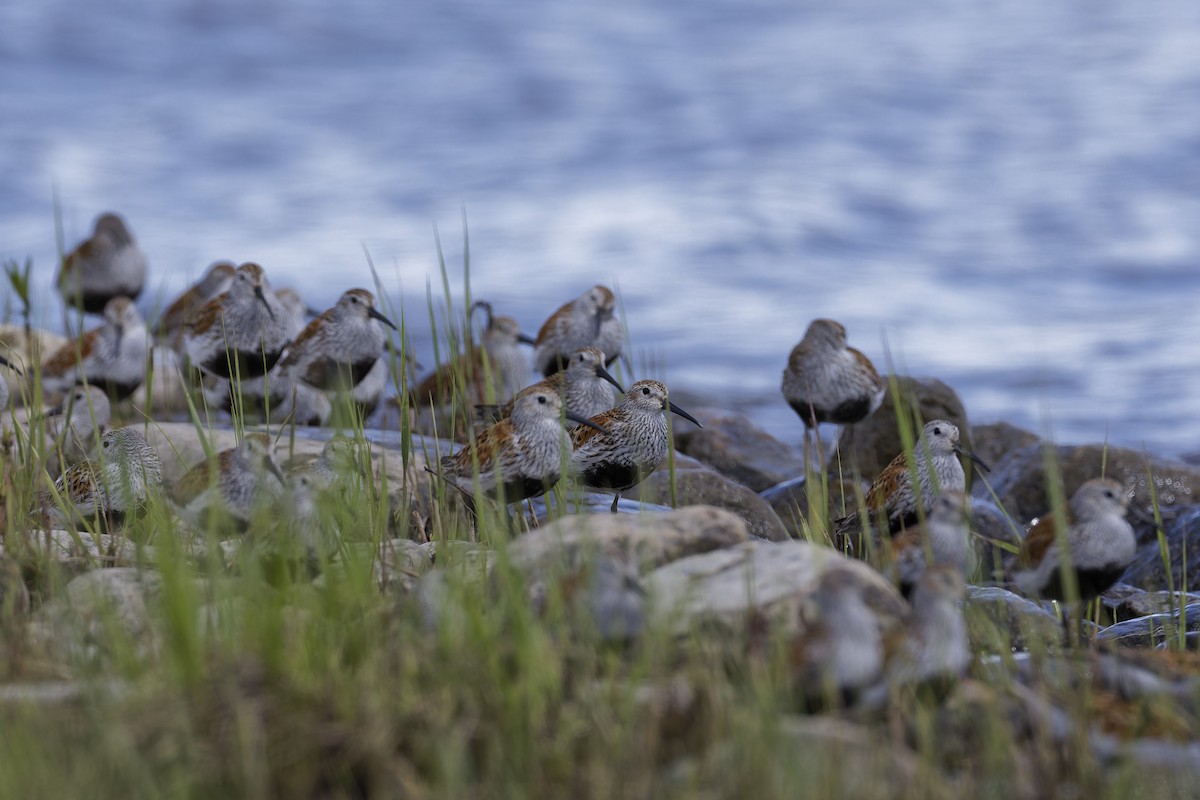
{"x": 1001, "y": 195}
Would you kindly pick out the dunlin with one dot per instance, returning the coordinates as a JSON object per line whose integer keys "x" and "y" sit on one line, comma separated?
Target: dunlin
{"x": 937, "y": 467}
{"x": 109, "y": 489}
{"x": 241, "y": 333}
{"x": 336, "y": 350}
{"x": 943, "y": 538}
{"x": 492, "y": 373}
{"x": 112, "y": 356}
{"x": 338, "y": 462}
{"x": 626, "y": 443}
{"x": 585, "y": 386}
{"x": 233, "y": 483}
{"x": 935, "y": 652}
{"x": 216, "y": 281}
{"x": 252, "y": 393}
{"x": 1100, "y": 544}
{"x": 517, "y": 458}
{"x": 75, "y": 424}
{"x": 107, "y": 265}
{"x": 587, "y": 321}
{"x": 828, "y": 381}
{"x": 841, "y": 650}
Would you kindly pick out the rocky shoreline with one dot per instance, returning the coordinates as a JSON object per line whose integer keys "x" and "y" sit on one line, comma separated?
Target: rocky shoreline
{"x": 732, "y": 559}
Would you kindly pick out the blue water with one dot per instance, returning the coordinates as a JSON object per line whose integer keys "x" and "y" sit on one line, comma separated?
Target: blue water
{"x": 1002, "y": 195}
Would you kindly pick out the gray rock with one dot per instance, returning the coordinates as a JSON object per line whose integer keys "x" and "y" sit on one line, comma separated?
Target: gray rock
{"x": 869, "y": 446}
{"x": 89, "y": 550}
{"x": 1182, "y": 533}
{"x": 771, "y": 579}
{"x": 737, "y": 448}
{"x": 992, "y": 529}
{"x": 704, "y": 487}
{"x": 999, "y": 621}
{"x": 80, "y": 624}
{"x": 994, "y": 443}
{"x": 1151, "y": 630}
{"x": 647, "y": 541}
{"x": 1020, "y": 481}
{"x": 789, "y": 500}
{"x": 1129, "y": 602}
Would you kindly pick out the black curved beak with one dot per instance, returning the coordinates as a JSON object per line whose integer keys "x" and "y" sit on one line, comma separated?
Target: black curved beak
{"x": 525, "y": 339}
{"x": 677, "y": 410}
{"x": 601, "y": 372}
{"x": 585, "y": 421}
{"x": 979, "y": 462}
{"x": 373, "y": 314}
{"x": 262, "y": 298}
{"x": 270, "y": 464}
{"x": 5, "y": 362}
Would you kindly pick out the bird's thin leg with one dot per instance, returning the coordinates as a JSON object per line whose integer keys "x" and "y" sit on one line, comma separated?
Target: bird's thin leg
{"x": 616, "y": 499}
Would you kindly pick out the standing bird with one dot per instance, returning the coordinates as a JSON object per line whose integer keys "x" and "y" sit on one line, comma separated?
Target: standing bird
{"x": 828, "y": 381}
{"x": 115, "y": 487}
{"x": 587, "y": 321}
{"x": 626, "y": 443}
{"x": 491, "y": 373}
{"x": 517, "y": 458}
{"x": 111, "y": 357}
{"x": 935, "y": 652}
{"x": 216, "y": 281}
{"x": 242, "y": 332}
{"x": 1100, "y": 544}
{"x": 76, "y": 423}
{"x": 233, "y": 483}
{"x": 585, "y": 386}
{"x": 943, "y": 539}
{"x": 841, "y": 650}
{"x": 892, "y": 494}
{"x": 108, "y": 265}
{"x": 337, "y": 350}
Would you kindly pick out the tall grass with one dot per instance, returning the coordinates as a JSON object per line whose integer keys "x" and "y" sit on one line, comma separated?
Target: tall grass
{"x": 250, "y": 673}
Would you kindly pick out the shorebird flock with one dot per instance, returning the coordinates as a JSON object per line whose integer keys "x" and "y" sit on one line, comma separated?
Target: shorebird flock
{"x": 235, "y": 337}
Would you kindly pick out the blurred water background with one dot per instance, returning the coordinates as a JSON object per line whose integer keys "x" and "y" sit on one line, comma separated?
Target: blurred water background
{"x": 1006, "y": 194}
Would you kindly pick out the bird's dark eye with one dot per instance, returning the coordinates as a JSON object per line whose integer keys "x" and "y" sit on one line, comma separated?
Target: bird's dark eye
{"x": 645, "y": 390}
{"x": 937, "y": 431}
{"x": 1108, "y": 493}
{"x": 541, "y": 400}
{"x": 106, "y": 443}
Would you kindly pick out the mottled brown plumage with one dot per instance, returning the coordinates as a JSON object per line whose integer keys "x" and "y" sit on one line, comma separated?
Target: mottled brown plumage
{"x": 892, "y": 495}
{"x": 828, "y": 381}
{"x": 630, "y": 444}
{"x": 117, "y": 484}
{"x": 585, "y": 387}
{"x": 216, "y": 281}
{"x": 587, "y": 321}
{"x": 106, "y": 265}
{"x": 336, "y": 350}
{"x": 517, "y": 458}
{"x": 942, "y": 539}
{"x": 242, "y": 332}
{"x": 233, "y": 482}
{"x": 1100, "y": 541}
{"x": 490, "y": 373}
{"x": 111, "y": 356}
